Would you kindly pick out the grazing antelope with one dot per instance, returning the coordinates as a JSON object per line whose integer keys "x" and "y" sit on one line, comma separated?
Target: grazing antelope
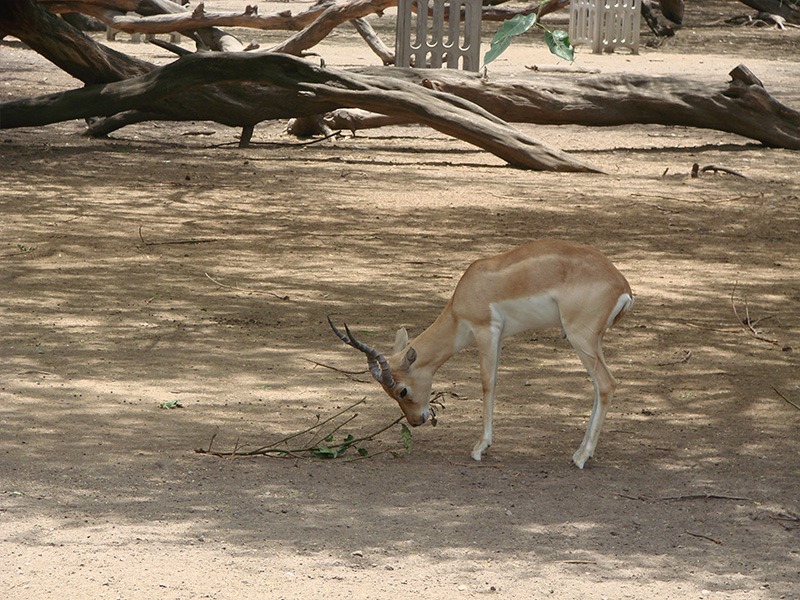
{"x": 542, "y": 284}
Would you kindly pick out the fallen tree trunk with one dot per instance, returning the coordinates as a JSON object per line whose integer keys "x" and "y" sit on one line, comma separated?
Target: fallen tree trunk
{"x": 441, "y": 111}
{"x": 743, "y": 106}
{"x": 236, "y": 98}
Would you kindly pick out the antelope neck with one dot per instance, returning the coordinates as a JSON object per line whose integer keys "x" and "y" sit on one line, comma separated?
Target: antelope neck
{"x": 439, "y": 342}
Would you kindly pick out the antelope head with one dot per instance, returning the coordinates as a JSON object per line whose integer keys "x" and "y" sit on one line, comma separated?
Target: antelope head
{"x": 410, "y": 387}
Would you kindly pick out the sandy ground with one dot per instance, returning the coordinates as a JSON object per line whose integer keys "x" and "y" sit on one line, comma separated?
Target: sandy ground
{"x": 157, "y": 266}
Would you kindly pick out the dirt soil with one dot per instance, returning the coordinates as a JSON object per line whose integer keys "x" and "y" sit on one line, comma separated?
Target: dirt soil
{"x": 165, "y": 264}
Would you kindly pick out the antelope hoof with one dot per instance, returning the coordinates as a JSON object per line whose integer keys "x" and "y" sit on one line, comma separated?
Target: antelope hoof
{"x": 477, "y": 451}
{"x": 580, "y": 459}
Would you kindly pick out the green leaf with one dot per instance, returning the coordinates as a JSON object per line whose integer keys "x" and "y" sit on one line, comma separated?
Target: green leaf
{"x": 511, "y": 28}
{"x": 559, "y": 43}
{"x": 172, "y": 404}
{"x": 324, "y": 452}
{"x": 405, "y": 433}
{"x": 362, "y": 451}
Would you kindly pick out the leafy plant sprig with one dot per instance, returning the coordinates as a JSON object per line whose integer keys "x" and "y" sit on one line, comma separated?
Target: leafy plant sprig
{"x": 332, "y": 450}
{"x": 326, "y": 447}
{"x": 557, "y": 41}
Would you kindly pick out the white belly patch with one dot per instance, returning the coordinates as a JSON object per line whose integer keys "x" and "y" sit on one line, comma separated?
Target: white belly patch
{"x": 521, "y": 314}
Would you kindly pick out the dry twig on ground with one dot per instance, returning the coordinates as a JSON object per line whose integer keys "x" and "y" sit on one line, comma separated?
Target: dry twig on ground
{"x": 702, "y": 537}
{"x": 246, "y": 290}
{"x": 697, "y": 170}
{"x": 746, "y": 322}
{"x": 782, "y": 395}
{"x": 175, "y": 242}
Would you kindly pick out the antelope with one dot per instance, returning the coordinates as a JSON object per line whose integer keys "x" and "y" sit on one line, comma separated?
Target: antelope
{"x": 541, "y": 284}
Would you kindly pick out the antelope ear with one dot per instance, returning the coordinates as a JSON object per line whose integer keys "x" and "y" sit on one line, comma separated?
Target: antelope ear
{"x": 400, "y": 340}
{"x": 411, "y": 356}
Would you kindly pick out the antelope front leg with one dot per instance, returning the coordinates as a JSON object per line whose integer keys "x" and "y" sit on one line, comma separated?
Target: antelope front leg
{"x": 486, "y": 440}
{"x": 489, "y": 349}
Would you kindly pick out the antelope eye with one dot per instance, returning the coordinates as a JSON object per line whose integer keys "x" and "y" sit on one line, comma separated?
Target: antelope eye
{"x": 404, "y": 392}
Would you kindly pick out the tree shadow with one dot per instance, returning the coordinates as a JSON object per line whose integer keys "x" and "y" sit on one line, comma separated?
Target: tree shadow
{"x": 225, "y": 292}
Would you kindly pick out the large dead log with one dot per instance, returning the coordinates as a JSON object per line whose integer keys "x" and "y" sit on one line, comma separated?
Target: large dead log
{"x": 743, "y": 106}
{"x": 441, "y": 111}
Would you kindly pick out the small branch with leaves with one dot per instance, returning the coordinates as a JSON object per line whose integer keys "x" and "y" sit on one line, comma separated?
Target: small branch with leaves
{"x": 321, "y": 441}
{"x": 557, "y": 41}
